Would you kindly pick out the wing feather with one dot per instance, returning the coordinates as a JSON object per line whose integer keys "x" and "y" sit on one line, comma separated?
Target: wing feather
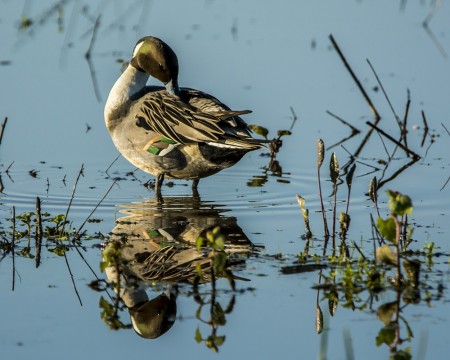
{"x": 194, "y": 117}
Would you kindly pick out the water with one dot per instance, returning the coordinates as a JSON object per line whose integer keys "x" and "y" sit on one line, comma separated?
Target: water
{"x": 265, "y": 57}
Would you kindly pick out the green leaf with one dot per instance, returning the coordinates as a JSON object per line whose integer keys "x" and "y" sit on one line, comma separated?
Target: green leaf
{"x": 386, "y": 311}
{"x": 399, "y": 204}
{"x": 412, "y": 270}
{"x": 401, "y": 355}
{"x": 260, "y": 130}
{"x": 199, "y": 242}
{"x": 386, "y": 335}
{"x": 387, "y": 228}
{"x": 103, "y": 265}
{"x": 385, "y": 254}
{"x": 281, "y": 133}
{"x": 218, "y": 316}
{"x": 58, "y": 219}
{"x": 220, "y": 340}
{"x": 198, "y": 335}
{"x": 220, "y": 260}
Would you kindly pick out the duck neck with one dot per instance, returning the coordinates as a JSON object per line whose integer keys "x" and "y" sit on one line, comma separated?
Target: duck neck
{"x": 129, "y": 83}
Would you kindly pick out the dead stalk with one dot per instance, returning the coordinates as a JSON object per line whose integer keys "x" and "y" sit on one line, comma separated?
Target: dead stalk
{"x": 400, "y": 145}
{"x": 3, "y": 128}
{"x": 38, "y": 231}
{"x": 13, "y": 238}
{"x": 71, "y": 199}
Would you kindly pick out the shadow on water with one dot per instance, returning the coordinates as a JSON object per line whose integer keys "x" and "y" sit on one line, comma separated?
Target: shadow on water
{"x": 163, "y": 244}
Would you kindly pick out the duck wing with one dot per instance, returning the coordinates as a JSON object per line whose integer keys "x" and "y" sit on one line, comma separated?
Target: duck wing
{"x": 194, "y": 117}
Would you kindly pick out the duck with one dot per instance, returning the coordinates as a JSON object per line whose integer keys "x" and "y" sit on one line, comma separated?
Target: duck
{"x": 170, "y": 131}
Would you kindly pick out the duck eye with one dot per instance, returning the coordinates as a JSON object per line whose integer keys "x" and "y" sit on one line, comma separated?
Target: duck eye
{"x": 161, "y": 67}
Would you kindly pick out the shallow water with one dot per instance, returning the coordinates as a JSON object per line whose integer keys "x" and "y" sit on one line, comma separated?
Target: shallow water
{"x": 267, "y": 58}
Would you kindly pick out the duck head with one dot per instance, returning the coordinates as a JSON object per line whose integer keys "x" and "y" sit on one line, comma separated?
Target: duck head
{"x": 156, "y": 58}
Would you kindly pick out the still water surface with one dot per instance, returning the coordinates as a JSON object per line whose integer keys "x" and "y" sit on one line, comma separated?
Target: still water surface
{"x": 265, "y": 57}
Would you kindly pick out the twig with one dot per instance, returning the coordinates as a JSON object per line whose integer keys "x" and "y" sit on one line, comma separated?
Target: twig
{"x": 3, "y": 128}
{"x": 294, "y": 118}
{"x": 9, "y": 167}
{"x": 95, "y": 208}
{"x": 71, "y": 199}
{"x": 442, "y": 188}
{"x": 430, "y": 33}
{"x": 359, "y": 250}
{"x": 384, "y": 92}
{"x": 72, "y": 279}
{"x": 13, "y": 238}
{"x": 89, "y": 61}
{"x": 340, "y": 142}
{"x": 38, "y": 231}
{"x": 354, "y": 130}
{"x": 358, "y": 83}
{"x": 405, "y": 120}
{"x": 414, "y": 155}
{"x": 398, "y": 172}
{"x": 445, "y": 129}
{"x": 118, "y": 156}
{"x": 425, "y": 131}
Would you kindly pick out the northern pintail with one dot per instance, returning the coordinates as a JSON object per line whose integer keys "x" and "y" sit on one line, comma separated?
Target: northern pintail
{"x": 172, "y": 132}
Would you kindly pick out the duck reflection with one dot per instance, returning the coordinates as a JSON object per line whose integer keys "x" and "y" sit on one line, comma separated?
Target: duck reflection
{"x": 155, "y": 244}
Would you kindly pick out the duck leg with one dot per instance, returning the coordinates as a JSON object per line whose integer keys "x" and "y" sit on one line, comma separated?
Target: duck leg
{"x": 158, "y": 183}
{"x": 195, "y": 193}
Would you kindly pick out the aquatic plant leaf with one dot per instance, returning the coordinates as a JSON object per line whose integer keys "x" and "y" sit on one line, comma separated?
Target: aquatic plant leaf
{"x": 59, "y": 250}
{"x": 260, "y": 130}
{"x": 386, "y": 335}
{"x": 218, "y": 315}
{"x": 373, "y": 189}
{"x": 220, "y": 261}
{"x": 319, "y": 320}
{"x": 386, "y": 311}
{"x": 198, "y": 335}
{"x": 400, "y": 355}
{"x": 334, "y": 168}
{"x": 219, "y": 340}
{"x": 384, "y": 254}
{"x": 344, "y": 224}
{"x": 320, "y": 152}
{"x": 349, "y": 177}
{"x": 399, "y": 204}
{"x": 412, "y": 270}
{"x": 305, "y": 214}
{"x": 333, "y": 302}
{"x": 387, "y": 228}
{"x": 281, "y": 133}
{"x": 199, "y": 242}
{"x": 103, "y": 265}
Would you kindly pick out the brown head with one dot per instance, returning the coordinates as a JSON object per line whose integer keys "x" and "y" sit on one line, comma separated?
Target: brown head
{"x": 156, "y": 58}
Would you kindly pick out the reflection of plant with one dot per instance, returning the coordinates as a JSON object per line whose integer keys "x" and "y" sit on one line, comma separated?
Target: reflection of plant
{"x": 216, "y": 317}
{"x": 214, "y": 244}
{"x": 110, "y": 315}
{"x": 392, "y": 229}
{"x": 273, "y": 166}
